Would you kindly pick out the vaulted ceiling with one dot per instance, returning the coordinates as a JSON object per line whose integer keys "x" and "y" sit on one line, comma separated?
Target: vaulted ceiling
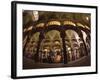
{"x": 44, "y": 16}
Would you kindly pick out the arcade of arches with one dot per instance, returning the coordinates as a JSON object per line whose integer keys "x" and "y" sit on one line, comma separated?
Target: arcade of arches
{"x": 49, "y": 38}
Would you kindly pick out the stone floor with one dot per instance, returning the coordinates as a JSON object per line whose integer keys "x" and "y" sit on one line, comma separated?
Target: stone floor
{"x": 29, "y": 64}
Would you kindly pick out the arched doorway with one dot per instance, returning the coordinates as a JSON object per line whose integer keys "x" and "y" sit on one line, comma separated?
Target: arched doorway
{"x": 31, "y": 46}
{"x": 74, "y": 45}
{"x": 87, "y": 39}
{"x": 51, "y": 47}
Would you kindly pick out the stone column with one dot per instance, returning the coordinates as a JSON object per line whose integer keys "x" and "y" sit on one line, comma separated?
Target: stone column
{"x": 62, "y": 34}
